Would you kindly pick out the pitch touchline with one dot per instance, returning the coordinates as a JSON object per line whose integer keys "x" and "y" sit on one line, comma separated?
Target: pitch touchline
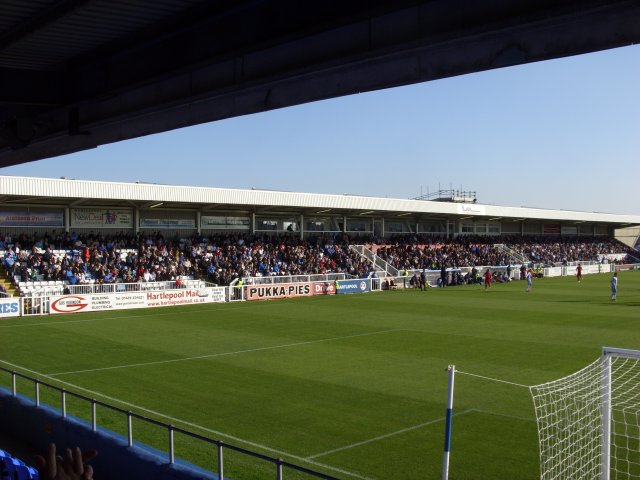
{"x": 213, "y": 355}
{"x": 151, "y": 316}
{"x": 381, "y": 437}
{"x": 190, "y": 424}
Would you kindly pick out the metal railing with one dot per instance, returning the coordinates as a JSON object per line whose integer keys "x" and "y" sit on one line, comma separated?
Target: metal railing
{"x": 518, "y": 257}
{"x": 89, "y": 288}
{"x": 278, "y": 463}
{"x": 379, "y": 264}
{"x": 276, "y": 279}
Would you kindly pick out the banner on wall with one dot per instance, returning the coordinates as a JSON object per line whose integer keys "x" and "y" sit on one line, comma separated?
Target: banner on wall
{"x": 167, "y": 223}
{"x": 284, "y": 290}
{"x": 627, "y": 266}
{"x": 101, "y": 218}
{"x": 10, "y": 307}
{"x": 224, "y": 222}
{"x": 120, "y": 301}
{"x": 324, "y": 288}
{"x": 31, "y": 219}
{"x": 611, "y": 257}
{"x": 352, "y": 286}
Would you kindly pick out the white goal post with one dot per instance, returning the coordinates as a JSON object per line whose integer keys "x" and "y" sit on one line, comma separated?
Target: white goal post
{"x": 589, "y": 421}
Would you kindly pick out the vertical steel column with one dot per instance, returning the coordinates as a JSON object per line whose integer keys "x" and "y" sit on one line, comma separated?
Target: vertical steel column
{"x": 63, "y": 403}
{"x": 301, "y": 226}
{"x": 129, "y": 429}
{"x": 13, "y": 384}
{"x": 37, "y": 385}
{"x": 94, "y": 421}
{"x": 279, "y": 469}
{"x": 220, "y": 462}
{"x": 172, "y": 456}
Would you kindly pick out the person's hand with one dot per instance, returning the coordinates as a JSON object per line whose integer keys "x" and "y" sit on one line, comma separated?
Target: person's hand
{"x": 73, "y": 466}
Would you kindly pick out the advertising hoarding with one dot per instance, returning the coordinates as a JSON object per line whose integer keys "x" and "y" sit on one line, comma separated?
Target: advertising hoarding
{"x": 9, "y": 307}
{"x": 284, "y": 290}
{"x": 353, "y": 286}
{"x": 101, "y": 218}
{"x": 119, "y": 301}
{"x": 167, "y": 223}
{"x": 31, "y": 219}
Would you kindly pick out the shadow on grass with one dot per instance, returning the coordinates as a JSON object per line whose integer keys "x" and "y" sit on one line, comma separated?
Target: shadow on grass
{"x": 601, "y": 302}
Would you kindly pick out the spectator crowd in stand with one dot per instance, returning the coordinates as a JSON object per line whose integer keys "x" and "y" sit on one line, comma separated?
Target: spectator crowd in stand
{"x": 432, "y": 253}
{"x": 561, "y": 250}
{"x": 220, "y": 259}
{"x": 122, "y": 257}
{"x": 428, "y": 252}
{"x": 225, "y": 257}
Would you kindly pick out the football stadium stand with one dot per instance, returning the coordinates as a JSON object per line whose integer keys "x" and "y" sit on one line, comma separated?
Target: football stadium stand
{"x": 46, "y": 263}
{"x": 68, "y": 246}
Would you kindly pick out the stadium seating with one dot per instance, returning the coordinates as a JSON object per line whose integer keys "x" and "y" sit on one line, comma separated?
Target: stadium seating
{"x": 42, "y": 266}
{"x": 12, "y": 468}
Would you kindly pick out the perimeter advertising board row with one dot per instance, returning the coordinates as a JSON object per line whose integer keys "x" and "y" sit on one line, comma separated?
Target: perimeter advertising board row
{"x": 586, "y": 270}
{"x": 59, "y": 304}
{"x": 119, "y": 301}
{"x": 629, "y": 266}
{"x": 305, "y": 289}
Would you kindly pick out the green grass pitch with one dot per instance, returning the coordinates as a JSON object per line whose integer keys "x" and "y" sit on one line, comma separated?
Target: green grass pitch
{"x": 352, "y": 385}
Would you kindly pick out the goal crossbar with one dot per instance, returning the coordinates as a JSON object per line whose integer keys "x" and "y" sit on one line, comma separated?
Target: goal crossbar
{"x": 621, "y": 352}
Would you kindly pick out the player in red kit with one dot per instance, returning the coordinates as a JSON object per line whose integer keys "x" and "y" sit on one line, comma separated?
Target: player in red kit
{"x": 579, "y": 272}
{"x": 487, "y": 279}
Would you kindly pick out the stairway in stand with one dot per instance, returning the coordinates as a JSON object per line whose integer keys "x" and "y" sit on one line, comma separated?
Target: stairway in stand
{"x": 515, "y": 256}
{"x": 7, "y": 284}
{"x": 383, "y": 268}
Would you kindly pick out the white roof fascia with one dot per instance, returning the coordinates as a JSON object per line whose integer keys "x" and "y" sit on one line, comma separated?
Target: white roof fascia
{"x": 98, "y": 190}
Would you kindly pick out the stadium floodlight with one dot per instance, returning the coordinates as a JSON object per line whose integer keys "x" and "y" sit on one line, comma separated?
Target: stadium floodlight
{"x": 588, "y": 422}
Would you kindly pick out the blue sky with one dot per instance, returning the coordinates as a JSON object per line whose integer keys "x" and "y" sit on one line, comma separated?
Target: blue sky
{"x": 558, "y": 134}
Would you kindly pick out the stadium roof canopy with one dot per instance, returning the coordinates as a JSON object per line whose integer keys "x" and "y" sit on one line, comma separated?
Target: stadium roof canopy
{"x": 75, "y": 74}
{"x": 29, "y": 191}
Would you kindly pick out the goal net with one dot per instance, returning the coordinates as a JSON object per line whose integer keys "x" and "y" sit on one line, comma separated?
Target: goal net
{"x": 588, "y": 422}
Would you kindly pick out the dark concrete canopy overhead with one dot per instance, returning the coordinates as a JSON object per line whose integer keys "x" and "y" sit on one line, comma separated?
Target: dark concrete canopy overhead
{"x": 75, "y": 74}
